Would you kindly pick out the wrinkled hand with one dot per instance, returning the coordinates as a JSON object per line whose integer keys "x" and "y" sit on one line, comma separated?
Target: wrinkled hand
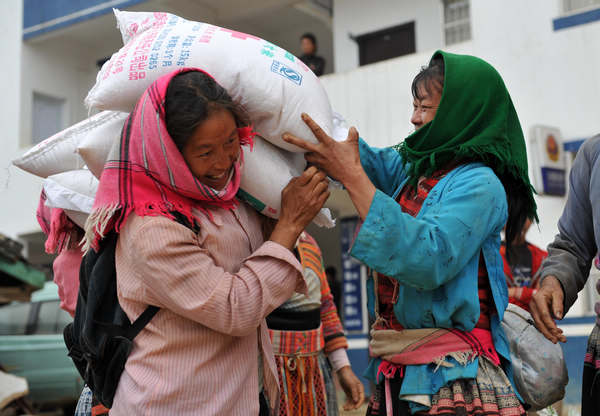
{"x": 301, "y": 201}
{"x": 303, "y": 197}
{"x": 547, "y": 305}
{"x": 340, "y": 160}
{"x": 354, "y": 389}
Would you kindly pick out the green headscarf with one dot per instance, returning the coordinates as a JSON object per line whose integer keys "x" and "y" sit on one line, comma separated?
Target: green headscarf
{"x": 475, "y": 121}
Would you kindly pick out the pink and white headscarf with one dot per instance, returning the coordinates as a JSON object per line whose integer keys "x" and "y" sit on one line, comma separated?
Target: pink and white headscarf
{"x": 147, "y": 174}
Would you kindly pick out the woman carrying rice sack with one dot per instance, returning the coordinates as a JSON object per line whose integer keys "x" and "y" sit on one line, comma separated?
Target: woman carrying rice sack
{"x": 432, "y": 211}
{"x": 207, "y": 349}
{"x": 309, "y": 344}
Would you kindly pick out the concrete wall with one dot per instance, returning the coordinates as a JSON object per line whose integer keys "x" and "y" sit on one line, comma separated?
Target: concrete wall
{"x": 16, "y": 187}
{"x": 357, "y": 17}
{"x": 552, "y": 75}
{"x": 61, "y": 70}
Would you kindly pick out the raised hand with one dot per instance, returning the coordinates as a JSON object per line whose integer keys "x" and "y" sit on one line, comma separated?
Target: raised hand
{"x": 301, "y": 201}
{"x": 340, "y": 160}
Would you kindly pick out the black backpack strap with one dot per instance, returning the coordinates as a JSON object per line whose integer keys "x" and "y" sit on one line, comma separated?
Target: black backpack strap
{"x": 142, "y": 321}
{"x": 129, "y": 331}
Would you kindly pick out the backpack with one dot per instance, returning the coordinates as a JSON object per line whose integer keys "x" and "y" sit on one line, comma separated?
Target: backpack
{"x": 101, "y": 336}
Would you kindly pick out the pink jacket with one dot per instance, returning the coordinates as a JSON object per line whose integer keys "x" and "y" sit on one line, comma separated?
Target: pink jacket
{"x": 200, "y": 353}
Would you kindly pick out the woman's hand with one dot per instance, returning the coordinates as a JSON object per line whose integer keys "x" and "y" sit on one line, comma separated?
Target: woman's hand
{"x": 301, "y": 201}
{"x": 341, "y": 161}
{"x": 354, "y": 389}
{"x": 548, "y": 298}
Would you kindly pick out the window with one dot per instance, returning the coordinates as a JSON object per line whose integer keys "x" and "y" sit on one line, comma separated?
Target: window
{"x": 52, "y": 319}
{"x": 570, "y": 6}
{"x": 457, "y": 23}
{"x": 13, "y": 318}
{"x": 386, "y": 44}
{"x": 47, "y": 116}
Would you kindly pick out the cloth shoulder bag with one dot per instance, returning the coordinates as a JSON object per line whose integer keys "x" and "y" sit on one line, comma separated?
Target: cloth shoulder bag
{"x": 539, "y": 368}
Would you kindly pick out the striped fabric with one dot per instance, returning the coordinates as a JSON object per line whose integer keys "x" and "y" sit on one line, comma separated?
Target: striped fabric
{"x": 489, "y": 394}
{"x": 302, "y": 381}
{"x": 199, "y": 354}
{"x": 296, "y": 342}
{"x": 304, "y": 374}
{"x": 311, "y": 258}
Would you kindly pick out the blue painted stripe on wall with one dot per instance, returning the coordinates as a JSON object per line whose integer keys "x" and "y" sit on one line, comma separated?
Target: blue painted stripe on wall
{"x": 574, "y": 353}
{"x": 53, "y": 15}
{"x": 578, "y": 320}
{"x": 576, "y": 19}
{"x": 573, "y": 145}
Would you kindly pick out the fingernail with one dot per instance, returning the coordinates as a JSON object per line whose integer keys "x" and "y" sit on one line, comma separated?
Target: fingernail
{"x": 304, "y": 116}
{"x": 558, "y": 314}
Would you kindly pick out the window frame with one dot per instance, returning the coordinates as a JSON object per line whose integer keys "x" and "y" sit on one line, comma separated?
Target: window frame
{"x": 62, "y": 122}
{"x": 455, "y": 23}
{"x": 570, "y": 12}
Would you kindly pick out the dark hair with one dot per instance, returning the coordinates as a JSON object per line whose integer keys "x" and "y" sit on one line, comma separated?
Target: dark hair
{"x": 516, "y": 197}
{"x": 191, "y": 98}
{"x": 430, "y": 76}
{"x": 310, "y": 37}
{"x": 331, "y": 270}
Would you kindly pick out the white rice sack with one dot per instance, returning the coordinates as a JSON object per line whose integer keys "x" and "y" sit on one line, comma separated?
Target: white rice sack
{"x": 59, "y": 153}
{"x": 95, "y": 147}
{"x": 71, "y": 191}
{"x": 77, "y": 217}
{"x": 266, "y": 171}
{"x": 273, "y": 85}
{"x": 339, "y": 127}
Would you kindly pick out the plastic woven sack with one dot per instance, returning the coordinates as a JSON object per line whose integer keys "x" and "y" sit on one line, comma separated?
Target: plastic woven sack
{"x": 273, "y": 85}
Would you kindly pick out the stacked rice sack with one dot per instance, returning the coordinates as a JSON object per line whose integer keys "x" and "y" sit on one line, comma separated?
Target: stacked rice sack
{"x": 273, "y": 85}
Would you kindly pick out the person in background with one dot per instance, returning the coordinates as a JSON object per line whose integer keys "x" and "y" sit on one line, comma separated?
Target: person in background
{"x": 566, "y": 269}
{"x": 521, "y": 265}
{"x": 335, "y": 285}
{"x": 304, "y": 330}
{"x": 63, "y": 237}
{"x": 308, "y": 44}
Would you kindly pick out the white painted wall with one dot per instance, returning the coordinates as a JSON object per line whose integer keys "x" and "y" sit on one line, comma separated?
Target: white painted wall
{"x": 60, "y": 69}
{"x": 553, "y": 77}
{"x": 359, "y": 17}
{"x": 57, "y": 70}
{"x": 16, "y": 187}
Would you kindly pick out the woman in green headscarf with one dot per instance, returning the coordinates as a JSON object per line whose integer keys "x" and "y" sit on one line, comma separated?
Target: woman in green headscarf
{"x": 432, "y": 211}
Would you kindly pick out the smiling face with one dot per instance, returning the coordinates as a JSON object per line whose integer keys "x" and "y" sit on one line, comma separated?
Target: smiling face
{"x": 425, "y": 106}
{"x": 213, "y": 149}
